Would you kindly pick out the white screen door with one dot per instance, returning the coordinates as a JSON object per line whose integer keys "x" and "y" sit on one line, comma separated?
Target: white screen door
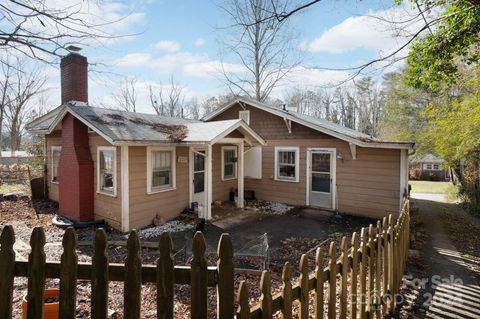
{"x": 321, "y": 179}
{"x": 199, "y": 180}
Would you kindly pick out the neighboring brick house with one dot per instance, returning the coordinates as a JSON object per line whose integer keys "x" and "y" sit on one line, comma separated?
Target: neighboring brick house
{"x": 312, "y": 162}
{"x": 128, "y": 167}
{"x": 429, "y": 168}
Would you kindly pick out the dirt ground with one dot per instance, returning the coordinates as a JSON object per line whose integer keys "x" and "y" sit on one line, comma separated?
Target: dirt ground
{"x": 289, "y": 235}
{"x": 442, "y": 278}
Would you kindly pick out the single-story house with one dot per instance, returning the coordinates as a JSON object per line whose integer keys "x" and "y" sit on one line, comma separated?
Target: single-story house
{"x": 313, "y": 162}
{"x": 128, "y": 167}
{"x": 429, "y": 168}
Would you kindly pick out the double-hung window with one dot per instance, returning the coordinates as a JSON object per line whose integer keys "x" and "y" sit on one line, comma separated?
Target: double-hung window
{"x": 107, "y": 170}
{"x": 229, "y": 162}
{"x": 55, "y": 160}
{"x": 287, "y": 164}
{"x": 160, "y": 169}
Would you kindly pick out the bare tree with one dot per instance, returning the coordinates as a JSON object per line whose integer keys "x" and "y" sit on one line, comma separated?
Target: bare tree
{"x": 5, "y": 80}
{"x": 265, "y": 48}
{"x": 23, "y": 86}
{"x": 42, "y": 29}
{"x": 126, "y": 97}
{"x": 168, "y": 100}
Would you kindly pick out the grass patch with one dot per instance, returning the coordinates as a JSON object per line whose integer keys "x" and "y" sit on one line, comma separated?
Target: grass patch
{"x": 11, "y": 188}
{"x": 433, "y": 187}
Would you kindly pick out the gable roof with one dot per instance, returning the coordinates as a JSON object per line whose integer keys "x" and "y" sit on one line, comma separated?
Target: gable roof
{"x": 321, "y": 125}
{"x": 122, "y": 127}
{"x": 427, "y": 158}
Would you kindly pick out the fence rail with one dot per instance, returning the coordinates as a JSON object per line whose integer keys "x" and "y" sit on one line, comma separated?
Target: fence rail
{"x": 364, "y": 277}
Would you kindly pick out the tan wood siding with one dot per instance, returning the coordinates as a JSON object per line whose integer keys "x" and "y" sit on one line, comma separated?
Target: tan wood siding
{"x": 168, "y": 204}
{"x": 361, "y": 189}
{"x": 270, "y": 126}
{"x": 369, "y": 185}
{"x": 105, "y": 206}
{"x": 51, "y": 140}
{"x": 220, "y": 189}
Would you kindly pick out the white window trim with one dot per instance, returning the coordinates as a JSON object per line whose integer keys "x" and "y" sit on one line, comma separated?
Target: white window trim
{"x": 99, "y": 190}
{"x": 229, "y": 148}
{"x": 151, "y": 149}
{"x": 54, "y": 148}
{"x": 432, "y": 167}
{"x": 244, "y": 112}
{"x": 295, "y": 149}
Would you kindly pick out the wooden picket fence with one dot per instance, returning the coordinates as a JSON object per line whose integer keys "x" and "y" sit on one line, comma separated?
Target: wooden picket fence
{"x": 365, "y": 278}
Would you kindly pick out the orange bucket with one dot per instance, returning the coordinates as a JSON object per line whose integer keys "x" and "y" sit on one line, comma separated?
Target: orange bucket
{"x": 50, "y": 310}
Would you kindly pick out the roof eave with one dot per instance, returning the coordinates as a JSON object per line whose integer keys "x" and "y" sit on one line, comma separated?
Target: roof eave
{"x": 339, "y": 135}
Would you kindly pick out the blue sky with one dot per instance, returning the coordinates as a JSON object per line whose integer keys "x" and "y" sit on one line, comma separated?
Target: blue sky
{"x": 179, "y": 38}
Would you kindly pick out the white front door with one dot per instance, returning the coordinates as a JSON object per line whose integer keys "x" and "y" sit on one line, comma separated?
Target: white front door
{"x": 322, "y": 178}
{"x": 199, "y": 182}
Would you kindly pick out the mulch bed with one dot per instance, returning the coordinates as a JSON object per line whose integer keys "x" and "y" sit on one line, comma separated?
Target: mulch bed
{"x": 24, "y": 216}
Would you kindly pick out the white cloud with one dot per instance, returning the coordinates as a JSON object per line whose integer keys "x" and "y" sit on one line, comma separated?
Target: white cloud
{"x": 168, "y": 46}
{"x": 167, "y": 63}
{"x": 200, "y": 42}
{"x": 370, "y": 31}
{"x": 135, "y": 60}
{"x": 210, "y": 69}
{"x": 309, "y": 77}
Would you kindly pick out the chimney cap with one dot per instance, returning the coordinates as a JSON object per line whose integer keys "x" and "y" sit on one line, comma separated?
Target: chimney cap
{"x": 73, "y": 49}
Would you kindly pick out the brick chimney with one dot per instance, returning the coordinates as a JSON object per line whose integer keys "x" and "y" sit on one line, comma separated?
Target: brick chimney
{"x": 74, "y": 78}
{"x": 76, "y": 172}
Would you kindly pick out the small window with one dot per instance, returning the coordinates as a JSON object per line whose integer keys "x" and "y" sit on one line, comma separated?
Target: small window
{"x": 431, "y": 167}
{"x": 160, "y": 169}
{"x": 106, "y": 170}
{"x": 287, "y": 164}
{"x": 245, "y": 116}
{"x": 229, "y": 162}
{"x": 55, "y": 160}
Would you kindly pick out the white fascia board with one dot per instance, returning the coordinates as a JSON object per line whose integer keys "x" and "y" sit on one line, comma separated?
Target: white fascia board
{"x": 237, "y": 125}
{"x": 327, "y": 131}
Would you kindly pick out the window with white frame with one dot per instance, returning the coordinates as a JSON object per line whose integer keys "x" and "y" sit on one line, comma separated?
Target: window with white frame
{"x": 160, "y": 169}
{"x": 229, "y": 162}
{"x": 287, "y": 164}
{"x": 431, "y": 167}
{"x": 106, "y": 170}
{"x": 245, "y": 116}
{"x": 55, "y": 161}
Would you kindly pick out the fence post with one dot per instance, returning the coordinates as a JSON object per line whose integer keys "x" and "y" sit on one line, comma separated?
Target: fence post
{"x": 391, "y": 253}
{"x": 385, "y": 266}
{"x": 100, "y": 275}
{"x": 243, "y": 311}
{"x": 266, "y": 297}
{"x": 371, "y": 276}
{"x": 332, "y": 281}
{"x": 198, "y": 278}
{"x": 36, "y": 275}
{"x": 133, "y": 278}
{"x": 343, "y": 291}
{"x": 7, "y": 266}
{"x": 378, "y": 268}
{"x": 165, "y": 278}
{"x": 225, "y": 285}
{"x": 354, "y": 281}
{"x": 319, "y": 284}
{"x": 68, "y": 275}
{"x": 303, "y": 287}
{"x": 287, "y": 291}
{"x": 362, "y": 272}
